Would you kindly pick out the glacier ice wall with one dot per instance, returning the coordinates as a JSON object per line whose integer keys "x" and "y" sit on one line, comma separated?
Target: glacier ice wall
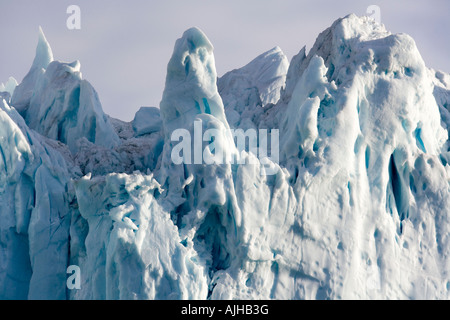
{"x": 357, "y": 207}
{"x": 36, "y": 207}
{"x": 137, "y": 249}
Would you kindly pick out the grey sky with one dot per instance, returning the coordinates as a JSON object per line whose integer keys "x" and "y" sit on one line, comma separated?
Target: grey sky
{"x": 124, "y": 46}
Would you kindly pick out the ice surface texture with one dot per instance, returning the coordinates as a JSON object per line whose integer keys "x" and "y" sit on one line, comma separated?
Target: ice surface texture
{"x": 358, "y": 207}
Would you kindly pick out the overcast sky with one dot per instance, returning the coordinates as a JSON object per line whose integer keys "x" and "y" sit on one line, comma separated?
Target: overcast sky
{"x": 124, "y": 46}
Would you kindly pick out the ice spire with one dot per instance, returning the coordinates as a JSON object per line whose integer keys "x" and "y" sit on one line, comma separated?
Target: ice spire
{"x": 191, "y": 87}
{"x": 44, "y": 54}
{"x": 24, "y": 91}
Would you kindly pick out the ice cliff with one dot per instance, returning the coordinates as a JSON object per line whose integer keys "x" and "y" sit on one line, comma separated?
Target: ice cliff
{"x": 357, "y": 207}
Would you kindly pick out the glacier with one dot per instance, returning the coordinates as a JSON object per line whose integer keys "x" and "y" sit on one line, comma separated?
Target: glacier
{"x": 357, "y": 207}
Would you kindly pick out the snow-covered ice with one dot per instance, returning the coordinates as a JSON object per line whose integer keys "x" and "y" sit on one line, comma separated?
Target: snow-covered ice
{"x": 246, "y": 91}
{"x": 356, "y": 208}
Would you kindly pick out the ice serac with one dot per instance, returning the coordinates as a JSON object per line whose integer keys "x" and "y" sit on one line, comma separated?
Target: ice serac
{"x": 8, "y": 87}
{"x": 191, "y": 87}
{"x": 24, "y": 91}
{"x": 65, "y": 107}
{"x": 56, "y": 102}
{"x": 127, "y": 245}
{"x": 146, "y": 121}
{"x": 361, "y": 137}
{"x": 199, "y": 193}
{"x": 172, "y": 226}
{"x": 362, "y": 179}
{"x": 246, "y": 91}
